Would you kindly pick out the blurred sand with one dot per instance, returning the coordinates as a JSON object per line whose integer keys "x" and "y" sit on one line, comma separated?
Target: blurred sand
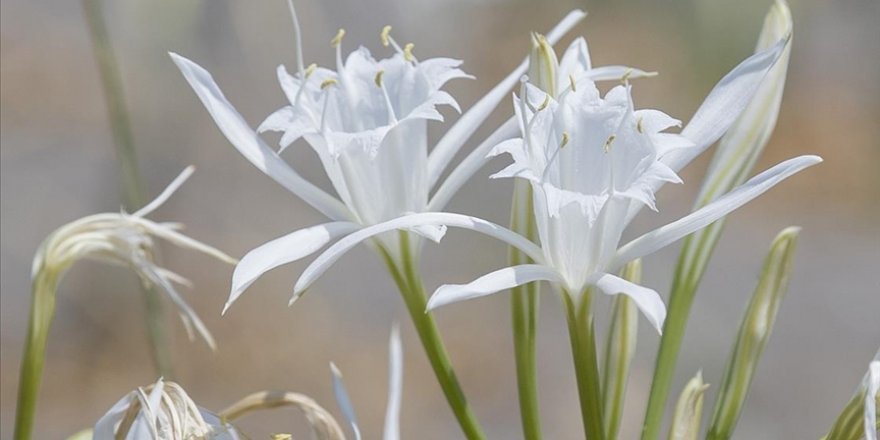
{"x": 57, "y": 165}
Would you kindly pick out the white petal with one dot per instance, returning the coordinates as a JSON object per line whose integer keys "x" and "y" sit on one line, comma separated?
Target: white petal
{"x": 395, "y": 386}
{"x": 334, "y": 252}
{"x": 871, "y": 390}
{"x": 667, "y": 234}
{"x": 431, "y": 232}
{"x": 615, "y": 73}
{"x": 105, "y": 427}
{"x": 647, "y": 300}
{"x": 283, "y": 250}
{"x": 344, "y": 401}
{"x": 575, "y": 60}
{"x": 725, "y": 103}
{"x": 236, "y": 129}
{"x": 453, "y": 140}
{"x": 167, "y": 192}
{"x": 176, "y": 238}
{"x": 494, "y": 282}
{"x": 470, "y": 165}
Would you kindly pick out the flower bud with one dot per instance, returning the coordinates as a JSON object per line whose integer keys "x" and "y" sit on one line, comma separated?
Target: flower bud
{"x": 753, "y": 334}
{"x": 689, "y": 410}
{"x": 543, "y": 64}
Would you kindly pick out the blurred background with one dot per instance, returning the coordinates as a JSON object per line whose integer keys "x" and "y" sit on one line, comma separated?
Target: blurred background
{"x": 58, "y": 164}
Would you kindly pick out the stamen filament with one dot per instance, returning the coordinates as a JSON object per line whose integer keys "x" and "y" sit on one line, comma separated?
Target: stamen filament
{"x": 392, "y": 118}
{"x": 297, "y": 36}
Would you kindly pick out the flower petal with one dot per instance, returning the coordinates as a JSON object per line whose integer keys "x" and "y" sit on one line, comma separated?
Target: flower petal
{"x": 494, "y": 282}
{"x": 395, "y": 386}
{"x": 167, "y": 192}
{"x": 246, "y": 141}
{"x": 667, "y": 234}
{"x": 453, "y": 140}
{"x": 575, "y": 60}
{"x": 725, "y": 103}
{"x": 344, "y": 401}
{"x": 334, "y": 252}
{"x": 283, "y": 250}
{"x": 647, "y": 300}
{"x": 615, "y": 73}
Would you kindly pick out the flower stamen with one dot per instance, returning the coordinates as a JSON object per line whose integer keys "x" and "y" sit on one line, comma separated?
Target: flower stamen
{"x": 407, "y": 52}
{"x": 392, "y": 118}
{"x": 572, "y": 83}
{"x": 607, "y": 147}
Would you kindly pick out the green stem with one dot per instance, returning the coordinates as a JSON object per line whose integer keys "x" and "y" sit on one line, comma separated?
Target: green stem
{"x": 132, "y": 190}
{"x": 691, "y": 266}
{"x": 523, "y": 309}
{"x": 524, "y": 317}
{"x": 42, "y": 312}
{"x": 410, "y": 284}
{"x": 586, "y": 365}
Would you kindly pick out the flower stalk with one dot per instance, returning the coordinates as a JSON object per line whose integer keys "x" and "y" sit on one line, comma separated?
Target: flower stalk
{"x": 582, "y": 335}
{"x": 131, "y": 183}
{"x": 524, "y": 306}
{"x": 409, "y": 282}
{"x": 42, "y": 312}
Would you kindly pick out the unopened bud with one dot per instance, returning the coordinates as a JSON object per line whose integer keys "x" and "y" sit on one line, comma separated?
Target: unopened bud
{"x": 543, "y": 64}
{"x": 689, "y": 410}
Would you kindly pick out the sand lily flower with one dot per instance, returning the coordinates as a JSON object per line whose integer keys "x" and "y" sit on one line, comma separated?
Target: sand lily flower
{"x": 162, "y": 411}
{"x": 115, "y": 238}
{"x": 367, "y": 123}
{"x": 590, "y": 160}
{"x": 593, "y": 162}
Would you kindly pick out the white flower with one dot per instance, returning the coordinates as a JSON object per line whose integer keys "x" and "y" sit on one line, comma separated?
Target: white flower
{"x": 367, "y": 122}
{"x": 127, "y": 240}
{"x": 162, "y": 411}
{"x": 593, "y": 162}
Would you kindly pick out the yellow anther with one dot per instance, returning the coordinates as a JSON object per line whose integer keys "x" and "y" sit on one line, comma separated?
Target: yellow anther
{"x": 328, "y": 82}
{"x": 407, "y": 52}
{"x": 626, "y": 75}
{"x": 607, "y": 146}
{"x": 565, "y": 139}
{"x": 283, "y": 436}
{"x": 545, "y": 103}
{"x": 386, "y": 36}
{"x": 378, "y": 78}
{"x": 310, "y": 70}
{"x": 639, "y": 127}
{"x": 337, "y": 40}
{"x": 573, "y": 83}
